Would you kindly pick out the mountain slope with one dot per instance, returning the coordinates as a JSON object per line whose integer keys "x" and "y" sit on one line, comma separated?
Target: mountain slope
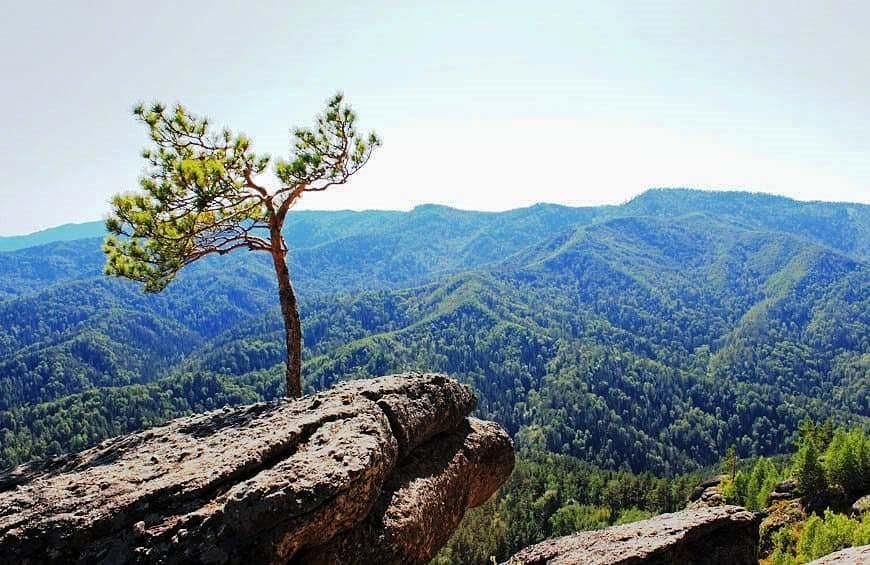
{"x": 633, "y": 337}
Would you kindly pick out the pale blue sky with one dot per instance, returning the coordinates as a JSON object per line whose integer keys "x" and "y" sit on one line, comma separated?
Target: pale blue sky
{"x": 486, "y": 105}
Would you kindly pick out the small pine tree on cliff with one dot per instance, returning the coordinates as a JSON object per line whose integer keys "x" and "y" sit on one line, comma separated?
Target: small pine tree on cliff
{"x": 201, "y": 195}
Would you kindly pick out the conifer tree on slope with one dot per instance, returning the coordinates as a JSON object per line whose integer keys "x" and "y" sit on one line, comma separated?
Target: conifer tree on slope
{"x": 202, "y": 194}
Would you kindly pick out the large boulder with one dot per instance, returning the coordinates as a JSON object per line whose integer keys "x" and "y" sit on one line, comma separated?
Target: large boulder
{"x": 850, "y": 556}
{"x": 389, "y": 464}
{"x": 784, "y": 490}
{"x": 707, "y": 493}
{"x": 704, "y": 535}
{"x": 861, "y": 506}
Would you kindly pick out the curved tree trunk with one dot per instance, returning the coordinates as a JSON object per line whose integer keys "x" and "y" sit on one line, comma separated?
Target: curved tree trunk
{"x": 292, "y": 325}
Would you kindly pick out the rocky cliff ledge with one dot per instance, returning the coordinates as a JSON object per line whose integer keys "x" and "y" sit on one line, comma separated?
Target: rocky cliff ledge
{"x": 372, "y": 471}
{"x": 706, "y": 535}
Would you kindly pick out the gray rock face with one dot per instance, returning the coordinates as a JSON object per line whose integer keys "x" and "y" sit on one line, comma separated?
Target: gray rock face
{"x": 424, "y": 500}
{"x": 861, "y": 505}
{"x": 706, "y": 535}
{"x": 784, "y": 490}
{"x": 786, "y": 486}
{"x": 707, "y": 493}
{"x": 393, "y": 459}
{"x": 850, "y": 556}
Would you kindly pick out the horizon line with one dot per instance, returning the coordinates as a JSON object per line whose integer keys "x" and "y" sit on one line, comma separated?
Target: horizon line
{"x": 730, "y": 190}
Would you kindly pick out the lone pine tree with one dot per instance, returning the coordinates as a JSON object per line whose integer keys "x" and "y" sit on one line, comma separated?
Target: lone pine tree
{"x": 202, "y": 194}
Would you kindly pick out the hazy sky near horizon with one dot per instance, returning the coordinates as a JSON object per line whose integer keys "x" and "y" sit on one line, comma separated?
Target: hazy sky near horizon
{"x": 482, "y": 105}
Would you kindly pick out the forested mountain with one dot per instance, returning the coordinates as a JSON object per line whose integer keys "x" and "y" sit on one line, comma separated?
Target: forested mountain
{"x": 845, "y": 227}
{"x": 554, "y": 495}
{"x": 66, "y": 232}
{"x": 647, "y": 337}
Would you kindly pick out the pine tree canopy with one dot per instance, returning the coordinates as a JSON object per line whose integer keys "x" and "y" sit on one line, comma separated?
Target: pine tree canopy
{"x": 202, "y": 193}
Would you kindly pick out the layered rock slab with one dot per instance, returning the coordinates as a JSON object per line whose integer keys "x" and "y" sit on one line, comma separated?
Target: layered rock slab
{"x": 257, "y": 483}
{"x": 705, "y": 535}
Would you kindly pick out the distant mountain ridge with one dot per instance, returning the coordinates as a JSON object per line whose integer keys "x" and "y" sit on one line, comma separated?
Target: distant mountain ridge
{"x": 65, "y": 232}
{"x": 850, "y": 222}
{"x": 842, "y": 225}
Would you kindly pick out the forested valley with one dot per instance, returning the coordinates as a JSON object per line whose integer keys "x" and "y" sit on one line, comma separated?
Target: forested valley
{"x": 625, "y": 348}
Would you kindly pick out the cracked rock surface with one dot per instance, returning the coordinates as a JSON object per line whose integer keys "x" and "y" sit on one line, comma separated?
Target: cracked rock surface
{"x": 705, "y": 535}
{"x": 388, "y": 464}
